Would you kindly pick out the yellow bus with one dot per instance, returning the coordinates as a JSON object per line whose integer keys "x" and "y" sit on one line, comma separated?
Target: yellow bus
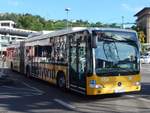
{"x": 90, "y": 61}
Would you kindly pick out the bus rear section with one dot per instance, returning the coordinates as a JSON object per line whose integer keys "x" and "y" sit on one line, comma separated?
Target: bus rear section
{"x": 15, "y": 56}
{"x": 116, "y": 64}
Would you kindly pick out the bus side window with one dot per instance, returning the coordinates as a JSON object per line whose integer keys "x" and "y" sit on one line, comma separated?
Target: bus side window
{"x": 82, "y": 54}
{"x": 46, "y": 52}
{"x": 38, "y": 51}
{"x": 60, "y": 51}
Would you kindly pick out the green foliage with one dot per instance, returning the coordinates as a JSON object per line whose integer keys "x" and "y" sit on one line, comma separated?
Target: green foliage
{"x": 140, "y": 32}
{"x": 37, "y": 23}
{"x": 141, "y": 36}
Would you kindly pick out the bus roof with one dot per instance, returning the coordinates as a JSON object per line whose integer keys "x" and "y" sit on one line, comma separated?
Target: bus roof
{"x": 13, "y": 45}
{"x": 71, "y": 30}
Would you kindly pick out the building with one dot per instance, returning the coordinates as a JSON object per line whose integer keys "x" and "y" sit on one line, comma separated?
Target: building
{"x": 9, "y": 34}
{"x": 7, "y": 23}
{"x": 143, "y": 22}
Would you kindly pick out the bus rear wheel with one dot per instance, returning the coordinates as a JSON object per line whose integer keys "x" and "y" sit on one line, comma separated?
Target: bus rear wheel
{"x": 61, "y": 82}
{"x": 11, "y": 66}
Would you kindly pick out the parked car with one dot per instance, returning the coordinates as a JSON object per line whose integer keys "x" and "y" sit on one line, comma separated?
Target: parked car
{"x": 145, "y": 58}
{"x": 142, "y": 59}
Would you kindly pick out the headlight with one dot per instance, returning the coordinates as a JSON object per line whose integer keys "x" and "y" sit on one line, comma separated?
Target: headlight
{"x": 94, "y": 85}
{"x": 137, "y": 83}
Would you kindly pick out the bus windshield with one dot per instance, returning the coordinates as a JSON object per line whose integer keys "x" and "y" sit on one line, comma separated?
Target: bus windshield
{"x": 116, "y": 53}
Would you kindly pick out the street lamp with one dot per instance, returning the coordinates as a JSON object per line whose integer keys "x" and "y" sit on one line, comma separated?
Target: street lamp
{"x": 122, "y": 22}
{"x": 67, "y": 10}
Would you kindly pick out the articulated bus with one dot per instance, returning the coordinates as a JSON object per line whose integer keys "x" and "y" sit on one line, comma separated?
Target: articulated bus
{"x": 90, "y": 61}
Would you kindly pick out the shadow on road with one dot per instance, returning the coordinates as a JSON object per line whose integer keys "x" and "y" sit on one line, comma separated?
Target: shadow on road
{"x": 145, "y": 91}
{"x": 30, "y": 101}
{"x": 16, "y": 97}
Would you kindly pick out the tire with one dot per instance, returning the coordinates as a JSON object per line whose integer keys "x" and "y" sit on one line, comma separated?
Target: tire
{"x": 11, "y": 66}
{"x": 61, "y": 82}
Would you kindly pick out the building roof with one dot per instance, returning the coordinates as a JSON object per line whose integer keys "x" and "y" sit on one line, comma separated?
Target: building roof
{"x": 15, "y": 31}
{"x": 72, "y": 30}
{"x": 7, "y": 21}
{"x": 146, "y": 9}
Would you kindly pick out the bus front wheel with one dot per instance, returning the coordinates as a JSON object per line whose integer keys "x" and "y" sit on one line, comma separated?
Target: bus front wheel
{"x": 61, "y": 82}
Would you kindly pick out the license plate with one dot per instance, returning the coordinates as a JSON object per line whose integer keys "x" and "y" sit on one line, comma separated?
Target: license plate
{"x": 119, "y": 90}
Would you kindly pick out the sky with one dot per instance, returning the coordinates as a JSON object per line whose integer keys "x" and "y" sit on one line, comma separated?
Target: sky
{"x": 105, "y": 11}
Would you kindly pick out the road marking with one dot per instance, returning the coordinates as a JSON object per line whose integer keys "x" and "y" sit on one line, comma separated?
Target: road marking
{"x": 15, "y": 88}
{"x": 36, "y": 89}
{"x": 139, "y": 98}
{"x": 32, "y": 90}
{"x": 20, "y": 93}
{"x": 130, "y": 96}
{"x": 144, "y": 99}
{"x": 8, "y": 96}
{"x": 65, "y": 104}
{"x": 24, "y": 91}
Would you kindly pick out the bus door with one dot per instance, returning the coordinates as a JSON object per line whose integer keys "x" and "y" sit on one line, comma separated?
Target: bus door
{"x": 77, "y": 63}
{"x": 22, "y": 57}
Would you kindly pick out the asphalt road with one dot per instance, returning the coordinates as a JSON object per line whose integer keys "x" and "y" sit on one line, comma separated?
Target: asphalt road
{"x": 23, "y": 95}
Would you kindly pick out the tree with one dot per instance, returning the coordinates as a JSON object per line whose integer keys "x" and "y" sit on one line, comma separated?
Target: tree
{"x": 140, "y": 32}
{"x": 114, "y": 25}
{"x": 49, "y": 25}
{"x": 36, "y": 22}
{"x": 59, "y": 24}
{"x": 98, "y": 24}
{"x": 141, "y": 36}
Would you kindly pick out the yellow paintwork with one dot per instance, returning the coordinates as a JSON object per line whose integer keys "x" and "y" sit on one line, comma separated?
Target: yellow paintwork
{"x": 52, "y": 67}
{"x": 110, "y": 84}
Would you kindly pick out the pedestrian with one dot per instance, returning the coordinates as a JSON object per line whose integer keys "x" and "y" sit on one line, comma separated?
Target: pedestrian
{"x": 3, "y": 60}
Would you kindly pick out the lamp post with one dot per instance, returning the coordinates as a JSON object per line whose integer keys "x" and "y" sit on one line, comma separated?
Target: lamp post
{"x": 67, "y": 10}
{"x": 122, "y": 22}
